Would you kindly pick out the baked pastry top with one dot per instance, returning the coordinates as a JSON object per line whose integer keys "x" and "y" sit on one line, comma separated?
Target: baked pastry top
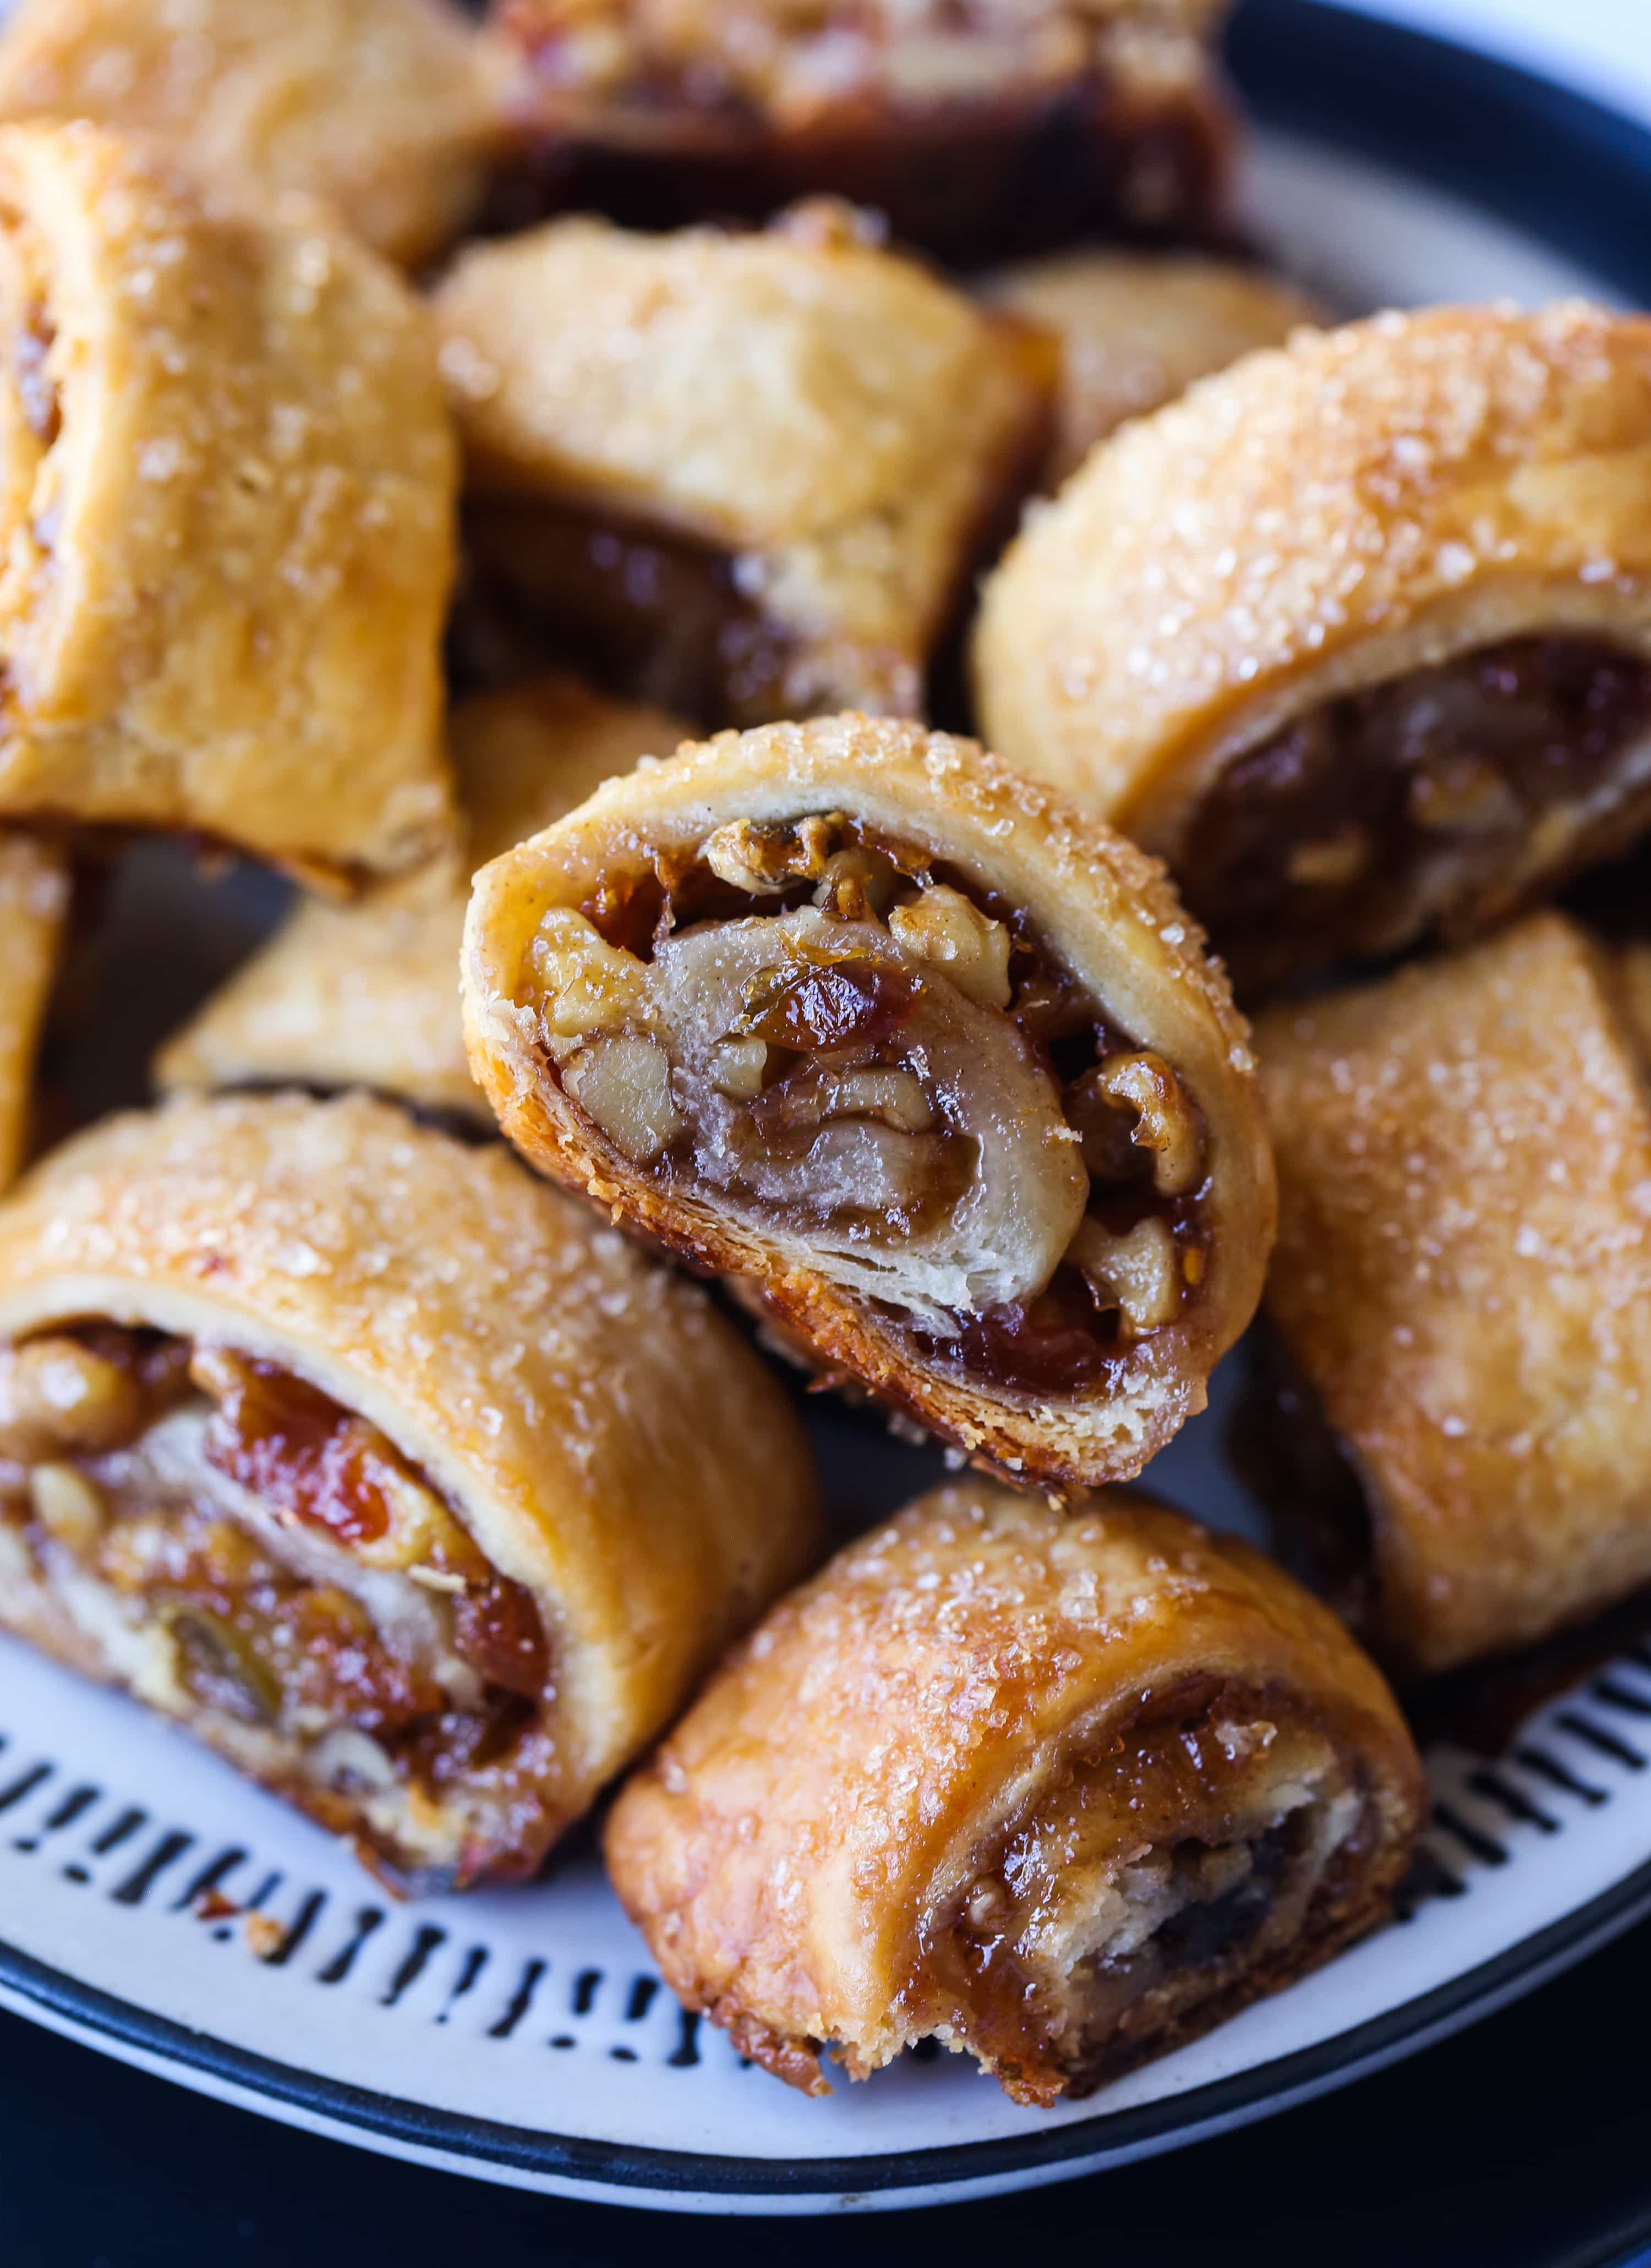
{"x": 834, "y": 423}
{"x": 391, "y": 109}
{"x": 1136, "y": 328}
{"x": 228, "y": 503}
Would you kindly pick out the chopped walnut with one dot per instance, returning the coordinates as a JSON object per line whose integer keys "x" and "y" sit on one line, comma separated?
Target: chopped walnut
{"x": 582, "y": 983}
{"x": 57, "y": 1395}
{"x": 737, "y": 1067}
{"x": 856, "y": 884}
{"x": 67, "y": 1505}
{"x": 762, "y": 856}
{"x": 1333, "y": 863}
{"x": 624, "y": 1083}
{"x": 1137, "y": 1273}
{"x": 1137, "y": 1099}
{"x": 944, "y": 928}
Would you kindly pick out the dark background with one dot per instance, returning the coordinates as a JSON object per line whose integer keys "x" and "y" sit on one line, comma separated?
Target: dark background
{"x": 1523, "y": 2143}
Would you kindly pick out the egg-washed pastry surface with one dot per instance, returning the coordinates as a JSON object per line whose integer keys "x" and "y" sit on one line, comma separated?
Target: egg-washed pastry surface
{"x": 847, "y": 1011}
{"x": 228, "y": 503}
{"x": 1462, "y": 1288}
{"x": 367, "y": 994}
{"x": 980, "y": 131}
{"x": 393, "y": 110}
{"x": 1136, "y": 328}
{"x": 744, "y": 475}
{"x": 378, "y": 1464}
{"x": 34, "y": 899}
{"x": 1058, "y": 1790}
{"x": 1357, "y": 636}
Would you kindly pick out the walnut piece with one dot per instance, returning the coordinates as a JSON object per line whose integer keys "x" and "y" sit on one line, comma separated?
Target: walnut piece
{"x": 67, "y": 1506}
{"x": 57, "y": 1395}
{"x": 1137, "y": 1273}
{"x": 946, "y": 929}
{"x": 624, "y": 1083}
{"x": 581, "y": 983}
{"x": 1165, "y": 1124}
{"x": 761, "y": 857}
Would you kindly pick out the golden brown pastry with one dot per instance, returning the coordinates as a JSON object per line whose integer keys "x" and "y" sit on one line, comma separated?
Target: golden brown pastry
{"x": 1060, "y": 1790}
{"x": 1135, "y": 329}
{"x": 743, "y": 475}
{"x": 1358, "y": 635}
{"x": 1462, "y": 1288}
{"x": 376, "y": 1463}
{"x": 367, "y": 994}
{"x": 393, "y": 109}
{"x": 227, "y": 504}
{"x": 34, "y": 893}
{"x": 982, "y": 131}
{"x": 847, "y": 1011}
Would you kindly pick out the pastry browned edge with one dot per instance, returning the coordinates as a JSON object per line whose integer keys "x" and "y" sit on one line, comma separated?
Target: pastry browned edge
{"x": 1059, "y": 1790}
{"x": 934, "y": 1067}
{"x": 1356, "y": 636}
{"x": 1462, "y": 1288}
{"x": 379, "y": 1465}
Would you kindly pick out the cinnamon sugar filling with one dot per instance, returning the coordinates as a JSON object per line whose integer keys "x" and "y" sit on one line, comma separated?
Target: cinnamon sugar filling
{"x": 1143, "y": 1887}
{"x": 1439, "y": 801}
{"x": 847, "y": 1048}
{"x": 250, "y": 1556}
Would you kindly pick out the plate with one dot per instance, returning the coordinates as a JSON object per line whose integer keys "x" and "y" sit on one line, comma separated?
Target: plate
{"x": 153, "y": 1905}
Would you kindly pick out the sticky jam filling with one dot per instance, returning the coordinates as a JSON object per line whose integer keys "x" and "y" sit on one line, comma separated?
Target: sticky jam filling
{"x": 1436, "y": 801}
{"x": 646, "y": 612}
{"x": 249, "y": 1555}
{"x": 1145, "y": 1885}
{"x": 844, "y": 1045}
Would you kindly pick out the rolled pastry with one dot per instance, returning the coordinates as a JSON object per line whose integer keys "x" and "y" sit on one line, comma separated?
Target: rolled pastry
{"x": 1463, "y": 1289}
{"x": 227, "y": 507}
{"x": 1061, "y": 1792}
{"x": 747, "y": 477}
{"x": 393, "y": 110}
{"x": 847, "y": 1011}
{"x": 373, "y": 1461}
{"x": 1358, "y": 635}
{"x": 34, "y": 895}
{"x": 1135, "y": 329}
{"x": 980, "y": 133}
{"x": 367, "y": 994}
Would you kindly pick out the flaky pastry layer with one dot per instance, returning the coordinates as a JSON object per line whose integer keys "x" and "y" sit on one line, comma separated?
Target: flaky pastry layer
{"x": 1060, "y": 1790}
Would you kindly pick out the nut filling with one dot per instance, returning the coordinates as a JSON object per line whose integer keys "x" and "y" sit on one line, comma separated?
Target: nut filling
{"x": 250, "y": 1556}
{"x": 833, "y": 1039}
{"x": 1440, "y": 800}
{"x": 1070, "y": 1947}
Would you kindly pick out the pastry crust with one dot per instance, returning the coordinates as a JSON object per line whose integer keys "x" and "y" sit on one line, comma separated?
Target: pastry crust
{"x": 1137, "y": 328}
{"x": 1366, "y": 504}
{"x": 980, "y": 133}
{"x": 1463, "y": 1280}
{"x": 229, "y": 507}
{"x": 1089, "y": 911}
{"x": 34, "y": 892}
{"x": 367, "y": 995}
{"x": 828, "y": 483}
{"x": 393, "y": 110}
{"x": 848, "y": 1839}
{"x": 602, "y": 1438}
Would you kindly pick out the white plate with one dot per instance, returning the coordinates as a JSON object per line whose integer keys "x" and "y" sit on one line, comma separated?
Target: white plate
{"x": 523, "y": 2035}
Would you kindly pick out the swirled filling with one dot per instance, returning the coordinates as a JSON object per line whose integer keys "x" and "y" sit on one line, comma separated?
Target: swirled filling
{"x": 1138, "y": 1890}
{"x": 1440, "y": 800}
{"x": 249, "y": 1556}
{"x": 852, "y": 1053}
